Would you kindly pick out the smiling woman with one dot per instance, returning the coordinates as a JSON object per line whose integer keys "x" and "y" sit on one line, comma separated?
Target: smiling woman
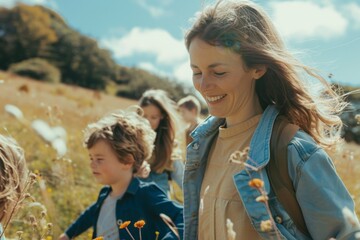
{"x": 251, "y": 85}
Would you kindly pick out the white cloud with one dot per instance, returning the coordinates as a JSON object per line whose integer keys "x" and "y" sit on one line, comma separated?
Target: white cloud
{"x": 183, "y": 73}
{"x": 155, "y": 9}
{"x": 151, "y": 68}
{"x": 304, "y": 19}
{"x": 7, "y": 3}
{"x": 353, "y": 11}
{"x": 166, "y": 49}
{"x": 168, "y": 52}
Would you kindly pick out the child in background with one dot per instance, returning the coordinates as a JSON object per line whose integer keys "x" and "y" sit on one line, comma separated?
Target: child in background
{"x": 118, "y": 144}
{"x": 190, "y": 108}
{"x": 13, "y": 172}
{"x": 162, "y": 114}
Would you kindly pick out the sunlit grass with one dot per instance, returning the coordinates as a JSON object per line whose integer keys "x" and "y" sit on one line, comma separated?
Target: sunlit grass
{"x": 66, "y": 186}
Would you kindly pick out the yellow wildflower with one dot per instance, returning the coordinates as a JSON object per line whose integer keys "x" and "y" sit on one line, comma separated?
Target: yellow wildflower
{"x": 99, "y": 238}
{"x": 256, "y": 183}
{"x": 124, "y": 224}
{"x": 139, "y": 224}
{"x": 266, "y": 226}
{"x": 262, "y": 198}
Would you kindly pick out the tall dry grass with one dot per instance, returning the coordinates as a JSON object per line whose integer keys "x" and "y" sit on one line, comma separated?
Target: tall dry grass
{"x": 65, "y": 186}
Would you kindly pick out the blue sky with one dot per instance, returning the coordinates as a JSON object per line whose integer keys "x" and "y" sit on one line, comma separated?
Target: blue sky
{"x": 149, "y": 33}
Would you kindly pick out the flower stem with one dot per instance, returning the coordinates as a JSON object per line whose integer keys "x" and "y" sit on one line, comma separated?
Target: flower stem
{"x": 130, "y": 233}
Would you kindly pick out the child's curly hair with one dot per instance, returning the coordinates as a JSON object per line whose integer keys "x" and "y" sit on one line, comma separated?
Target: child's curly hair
{"x": 13, "y": 172}
{"x": 127, "y": 133}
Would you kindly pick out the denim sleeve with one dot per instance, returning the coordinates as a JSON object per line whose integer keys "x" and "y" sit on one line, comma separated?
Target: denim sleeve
{"x": 160, "y": 203}
{"x": 178, "y": 172}
{"x": 84, "y": 222}
{"x": 321, "y": 194}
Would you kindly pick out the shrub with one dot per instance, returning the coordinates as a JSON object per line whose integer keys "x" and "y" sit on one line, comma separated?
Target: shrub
{"x": 37, "y": 68}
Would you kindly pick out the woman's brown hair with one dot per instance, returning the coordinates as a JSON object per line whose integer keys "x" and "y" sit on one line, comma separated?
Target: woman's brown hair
{"x": 245, "y": 28}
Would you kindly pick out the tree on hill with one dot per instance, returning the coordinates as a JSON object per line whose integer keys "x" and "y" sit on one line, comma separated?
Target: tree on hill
{"x": 143, "y": 80}
{"x": 38, "y": 32}
{"x": 24, "y": 32}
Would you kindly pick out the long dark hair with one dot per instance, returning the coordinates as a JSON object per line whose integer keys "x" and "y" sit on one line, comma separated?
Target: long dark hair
{"x": 166, "y": 131}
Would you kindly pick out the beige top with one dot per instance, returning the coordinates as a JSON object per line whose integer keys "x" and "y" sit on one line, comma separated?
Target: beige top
{"x": 219, "y": 197}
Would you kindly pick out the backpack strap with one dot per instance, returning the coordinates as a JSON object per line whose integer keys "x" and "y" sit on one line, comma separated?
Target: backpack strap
{"x": 278, "y": 173}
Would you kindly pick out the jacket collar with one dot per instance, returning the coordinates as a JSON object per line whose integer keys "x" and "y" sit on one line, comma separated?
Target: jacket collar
{"x": 132, "y": 189}
{"x": 260, "y": 142}
{"x": 210, "y": 125}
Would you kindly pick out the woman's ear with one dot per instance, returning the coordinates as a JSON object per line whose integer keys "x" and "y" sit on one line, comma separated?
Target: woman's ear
{"x": 259, "y": 71}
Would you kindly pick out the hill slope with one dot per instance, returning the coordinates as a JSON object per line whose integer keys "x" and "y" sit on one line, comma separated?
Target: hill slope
{"x": 66, "y": 186}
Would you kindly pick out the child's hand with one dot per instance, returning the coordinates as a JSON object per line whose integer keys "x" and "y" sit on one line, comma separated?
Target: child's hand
{"x": 63, "y": 237}
{"x": 144, "y": 170}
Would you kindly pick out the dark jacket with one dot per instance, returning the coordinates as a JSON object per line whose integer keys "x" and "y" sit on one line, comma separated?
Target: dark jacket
{"x": 141, "y": 201}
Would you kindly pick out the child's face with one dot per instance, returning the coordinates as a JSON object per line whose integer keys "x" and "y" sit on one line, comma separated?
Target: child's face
{"x": 105, "y": 165}
{"x": 153, "y": 115}
{"x": 188, "y": 115}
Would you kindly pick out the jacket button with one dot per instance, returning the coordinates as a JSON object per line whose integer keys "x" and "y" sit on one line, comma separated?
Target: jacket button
{"x": 278, "y": 219}
{"x": 195, "y": 146}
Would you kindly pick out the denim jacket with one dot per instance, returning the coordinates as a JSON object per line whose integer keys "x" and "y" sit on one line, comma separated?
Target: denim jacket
{"x": 141, "y": 201}
{"x": 319, "y": 190}
{"x": 162, "y": 179}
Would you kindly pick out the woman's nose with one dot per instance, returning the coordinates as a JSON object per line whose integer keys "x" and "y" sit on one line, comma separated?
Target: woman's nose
{"x": 205, "y": 83}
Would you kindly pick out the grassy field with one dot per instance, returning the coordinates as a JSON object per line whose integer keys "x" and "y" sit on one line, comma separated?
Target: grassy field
{"x": 66, "y": 186}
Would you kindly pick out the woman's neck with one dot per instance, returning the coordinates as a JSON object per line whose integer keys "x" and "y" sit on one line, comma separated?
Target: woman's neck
{"x": 245, "y": 113}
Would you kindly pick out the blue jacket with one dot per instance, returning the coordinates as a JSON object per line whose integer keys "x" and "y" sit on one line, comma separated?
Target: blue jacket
{"x": 162, "y": 179}
{"x": 319, "y": 190}
{"x": 141, "y": 201}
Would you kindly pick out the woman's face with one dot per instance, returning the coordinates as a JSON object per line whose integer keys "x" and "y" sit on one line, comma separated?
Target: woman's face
{"x": 220, "y": 76}
{"x": 153, "y": 114}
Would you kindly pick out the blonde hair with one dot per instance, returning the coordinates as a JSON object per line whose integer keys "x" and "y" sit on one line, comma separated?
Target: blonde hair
{"x": 190, "y": 103}
{"x": 244, "y": 28}
{"x": 13, "y": 172}
{"x": 168, "y": 128}
{"x": 127, "y": 132}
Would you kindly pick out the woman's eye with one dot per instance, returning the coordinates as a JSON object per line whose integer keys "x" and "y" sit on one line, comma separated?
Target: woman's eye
{"x": 196, "y": 74}
{"x": 220, "y": 73}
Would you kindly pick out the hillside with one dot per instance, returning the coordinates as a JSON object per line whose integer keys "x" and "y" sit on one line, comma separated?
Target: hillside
{"x": 36, "y": 41}
{"x": 74, "y": 102}
{"x": 66, "y": 186}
